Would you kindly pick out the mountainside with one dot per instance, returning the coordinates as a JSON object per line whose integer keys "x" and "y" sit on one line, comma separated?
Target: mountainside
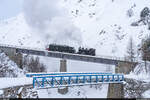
{"x": 8, "y": 68}
{"x": 15, "y": 31}
{"x": 105, "y": 25}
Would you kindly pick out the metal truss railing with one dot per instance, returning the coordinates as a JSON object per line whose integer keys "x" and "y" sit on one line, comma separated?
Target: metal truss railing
{"x": 55, "y": 81}
{"x": 64, "y": 73}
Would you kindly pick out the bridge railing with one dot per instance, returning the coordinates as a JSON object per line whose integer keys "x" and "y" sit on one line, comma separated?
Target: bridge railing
{"x": 71, "y": 80}
{"x": 117, "y": 58}
{"x": 64, "y": 73}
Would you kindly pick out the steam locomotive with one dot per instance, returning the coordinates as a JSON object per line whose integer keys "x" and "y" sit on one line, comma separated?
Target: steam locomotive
{"x": 69, "y": 49}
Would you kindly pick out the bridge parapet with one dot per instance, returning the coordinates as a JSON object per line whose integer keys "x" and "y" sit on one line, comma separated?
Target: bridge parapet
{"x": 65, "y": 73}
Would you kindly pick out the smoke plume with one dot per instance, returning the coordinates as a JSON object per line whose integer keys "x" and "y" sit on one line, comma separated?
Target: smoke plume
{"x": 50, "y": 20}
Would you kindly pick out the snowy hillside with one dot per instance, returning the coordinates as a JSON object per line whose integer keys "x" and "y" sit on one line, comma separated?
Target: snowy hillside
{"x": 8, "y": 68}
{"x": 15, "y": 31}
{"x": 102, "y": 24}
{"x": 106, "y": 25}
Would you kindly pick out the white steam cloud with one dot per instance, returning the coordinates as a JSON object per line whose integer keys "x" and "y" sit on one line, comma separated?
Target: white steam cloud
{"x": 51, "y": 20}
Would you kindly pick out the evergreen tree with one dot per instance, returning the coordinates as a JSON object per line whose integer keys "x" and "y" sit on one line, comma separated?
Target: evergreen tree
{"x": 131, "y": 52}
{"x": 146, "y": 49}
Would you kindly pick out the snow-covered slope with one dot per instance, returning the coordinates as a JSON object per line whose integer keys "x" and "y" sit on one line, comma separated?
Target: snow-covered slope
{"x": 141, "y": 72}
{"x": 15, "y": 31}
{"x": 104, "y": 25}
{"x": 8, "y": 68}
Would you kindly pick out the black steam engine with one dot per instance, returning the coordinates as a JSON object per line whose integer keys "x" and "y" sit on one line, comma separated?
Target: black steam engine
{"x": 68, "y": 49}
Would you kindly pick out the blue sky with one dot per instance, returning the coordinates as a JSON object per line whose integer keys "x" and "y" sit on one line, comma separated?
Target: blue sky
{"x": 10, "y": 8}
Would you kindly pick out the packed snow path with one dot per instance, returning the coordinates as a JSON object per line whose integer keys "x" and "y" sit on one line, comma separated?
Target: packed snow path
{"x": 11, "y": 82}
{"x": 86, "y": 58}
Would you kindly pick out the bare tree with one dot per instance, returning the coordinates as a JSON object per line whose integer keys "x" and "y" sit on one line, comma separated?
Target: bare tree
{"x": 33, "y": 64}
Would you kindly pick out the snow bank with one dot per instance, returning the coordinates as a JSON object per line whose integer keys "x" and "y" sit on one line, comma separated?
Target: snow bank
{"x": 140, "y": 72}
{"x": 10, "y": 82}
{"x": 141, "y": 77}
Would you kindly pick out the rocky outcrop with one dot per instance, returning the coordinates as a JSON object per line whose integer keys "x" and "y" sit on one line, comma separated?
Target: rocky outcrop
{"x": 135, "y": 88}
{"x": 25, "y": 91}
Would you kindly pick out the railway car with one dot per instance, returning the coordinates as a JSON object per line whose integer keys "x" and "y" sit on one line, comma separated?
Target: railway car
{"x": 61, "y": 48}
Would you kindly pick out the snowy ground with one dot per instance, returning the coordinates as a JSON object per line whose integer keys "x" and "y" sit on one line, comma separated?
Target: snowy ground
{"x": 10, "y": 82}
{"x": 76, "y": 92}
{"x": 142, "y": 77}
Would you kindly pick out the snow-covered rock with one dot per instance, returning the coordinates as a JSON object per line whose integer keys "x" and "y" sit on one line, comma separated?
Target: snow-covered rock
{"x": 8, "y": 68}
{"x": 134, "y": 88}
{"x": 141, "y": 72}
